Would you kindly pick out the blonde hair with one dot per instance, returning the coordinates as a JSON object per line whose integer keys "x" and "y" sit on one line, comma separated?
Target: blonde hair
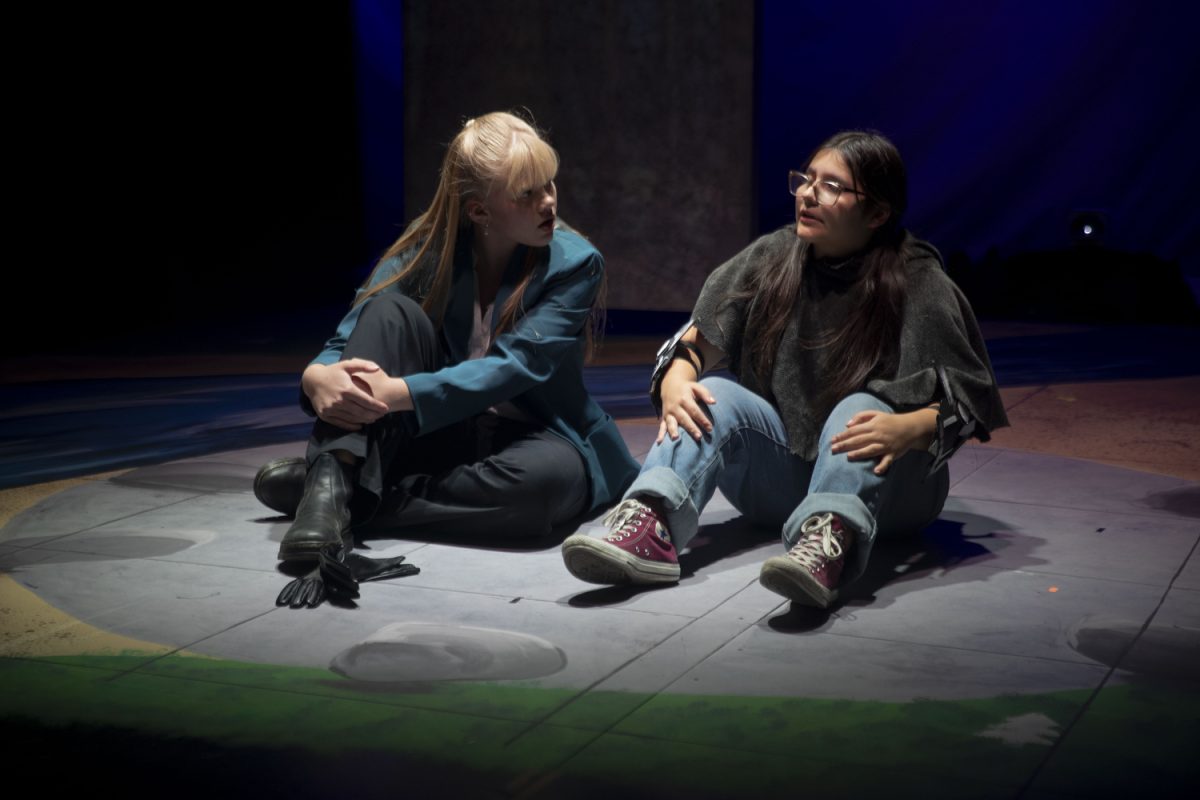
{"x": 497, "y": 149}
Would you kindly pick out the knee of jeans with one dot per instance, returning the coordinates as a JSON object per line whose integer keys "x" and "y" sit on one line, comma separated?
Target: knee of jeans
{"x": 727, "y": 393}
{"x": 721, "y": 387}
{"x": 852, "y": 404}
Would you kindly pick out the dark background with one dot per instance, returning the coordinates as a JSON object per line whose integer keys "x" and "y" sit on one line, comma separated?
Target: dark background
{"x": 243, "y": 164}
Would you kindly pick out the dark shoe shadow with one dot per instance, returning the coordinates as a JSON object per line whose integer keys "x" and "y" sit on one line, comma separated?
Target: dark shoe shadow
{"x": 800, "y": 619}
{"x": 614, "y": 595}
{"x": 498, "y": 541}
{"x": 295, "y": 569}
{"x": 941, "y": 547}
{"x": 723, "y": 541}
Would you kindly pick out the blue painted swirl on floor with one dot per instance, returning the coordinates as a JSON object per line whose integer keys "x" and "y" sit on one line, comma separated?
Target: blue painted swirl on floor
{"x": 62, "y": 429}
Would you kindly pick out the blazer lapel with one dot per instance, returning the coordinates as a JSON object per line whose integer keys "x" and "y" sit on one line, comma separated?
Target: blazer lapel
{"x": 512, "y": 276}
{"x": 456, "y": 327}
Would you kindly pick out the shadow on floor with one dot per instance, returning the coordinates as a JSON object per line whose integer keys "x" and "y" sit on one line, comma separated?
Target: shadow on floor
{"x": 940, "y": 548}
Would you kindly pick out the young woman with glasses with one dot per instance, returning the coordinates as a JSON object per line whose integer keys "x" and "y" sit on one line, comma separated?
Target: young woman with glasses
{"x": 451, "y": 397}
{"x": 860, "y": 369}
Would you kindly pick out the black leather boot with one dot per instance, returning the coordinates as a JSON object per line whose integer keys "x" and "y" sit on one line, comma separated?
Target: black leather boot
{"x": 323, "y": 516}
{"x": 279, "y": 484}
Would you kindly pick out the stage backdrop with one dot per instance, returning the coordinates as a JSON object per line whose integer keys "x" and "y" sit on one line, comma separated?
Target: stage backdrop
{"x": 678, "y": 120}
{"x": 1011, "y": 116}
{"x": 650, "y": 106}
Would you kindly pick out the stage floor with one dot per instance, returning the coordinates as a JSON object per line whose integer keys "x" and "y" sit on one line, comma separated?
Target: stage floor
{"x": 1041, "y": 640}
{"x": 1042, "y": 635}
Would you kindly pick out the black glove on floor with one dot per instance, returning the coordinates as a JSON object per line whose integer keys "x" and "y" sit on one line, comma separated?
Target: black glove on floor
{"x": 338, "y": 575}
{"x": 378, "y": 569}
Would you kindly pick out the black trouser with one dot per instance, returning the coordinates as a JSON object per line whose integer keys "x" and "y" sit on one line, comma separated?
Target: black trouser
{"x": 484, "y": 474}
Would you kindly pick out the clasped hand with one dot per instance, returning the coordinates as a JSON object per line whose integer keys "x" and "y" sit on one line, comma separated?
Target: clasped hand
{"x": 353, "y": 393}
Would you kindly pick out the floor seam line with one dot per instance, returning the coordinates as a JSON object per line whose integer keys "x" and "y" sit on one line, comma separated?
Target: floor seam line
{"x": 961, "y": 649}
{"x": 1093, "y": 509}
{"x": 609, "y": 728}
{"x": 1049, "y": 573}
{"x": 1087, "y": 704}
{"x": 183, "y": 647}
{"x": 111, "y": 521}
{"x": 600, "y": 680}
{"x": 1028, "y": 397}
{"x": 614, "y": 671}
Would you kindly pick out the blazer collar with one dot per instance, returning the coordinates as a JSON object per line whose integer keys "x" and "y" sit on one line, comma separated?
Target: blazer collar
{"x": 512, "y": 276}
{"x": 456, "y": 325}
{"x": 460, "y": 312}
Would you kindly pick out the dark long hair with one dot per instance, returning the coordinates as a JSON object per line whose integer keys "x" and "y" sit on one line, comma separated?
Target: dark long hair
{"x": 867, "y": 339}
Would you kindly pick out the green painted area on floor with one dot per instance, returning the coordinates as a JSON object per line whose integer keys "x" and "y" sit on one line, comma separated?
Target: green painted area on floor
{"x": 497, "y": 729}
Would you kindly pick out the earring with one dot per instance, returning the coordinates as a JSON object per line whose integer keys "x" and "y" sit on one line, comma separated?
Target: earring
{"x": 486, "y": 225}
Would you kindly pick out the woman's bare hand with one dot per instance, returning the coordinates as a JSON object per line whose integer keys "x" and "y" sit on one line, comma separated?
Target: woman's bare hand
{"x": 340, "y": 399}
{"x": 885, "y": 436}
{"x": 681, "y": 404}
{"x": 391, "y": 391}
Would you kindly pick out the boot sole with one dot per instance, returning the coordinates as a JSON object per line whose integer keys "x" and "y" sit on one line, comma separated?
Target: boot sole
{"x": 310, "y": 549}
{"x": 596, "y": 561}
{"x": 301, "y": 551}
{"x": 796, "y": 585}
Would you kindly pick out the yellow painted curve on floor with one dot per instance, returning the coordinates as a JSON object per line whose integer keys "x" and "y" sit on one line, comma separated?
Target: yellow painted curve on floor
{"x": 32, "y": 628}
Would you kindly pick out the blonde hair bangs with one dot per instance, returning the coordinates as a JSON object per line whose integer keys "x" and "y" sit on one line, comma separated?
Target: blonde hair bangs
{"x": 532, "y": 163}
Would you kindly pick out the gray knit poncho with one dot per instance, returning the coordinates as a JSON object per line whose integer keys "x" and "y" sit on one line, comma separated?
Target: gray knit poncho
{"x": 938, "y": 328}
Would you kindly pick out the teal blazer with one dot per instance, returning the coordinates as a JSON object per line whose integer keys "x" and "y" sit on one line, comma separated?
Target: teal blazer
{"x": 537, "y": 364}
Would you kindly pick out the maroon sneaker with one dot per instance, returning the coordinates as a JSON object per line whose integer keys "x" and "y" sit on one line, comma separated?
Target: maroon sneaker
{"x": 638, "y": 549}
{"x": 809, "y": 573}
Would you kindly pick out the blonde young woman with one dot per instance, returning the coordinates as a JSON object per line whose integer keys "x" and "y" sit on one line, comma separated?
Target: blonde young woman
{"x": 451, "y": 397}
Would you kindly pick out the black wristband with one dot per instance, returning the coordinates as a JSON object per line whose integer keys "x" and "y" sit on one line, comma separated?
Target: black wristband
{"x": 687, "y": 350}
{"x": 663, "y": 359}
{"x": 955, "y": 425}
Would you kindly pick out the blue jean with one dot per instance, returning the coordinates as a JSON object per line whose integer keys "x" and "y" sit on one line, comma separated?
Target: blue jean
{"x": 747, "y": 457}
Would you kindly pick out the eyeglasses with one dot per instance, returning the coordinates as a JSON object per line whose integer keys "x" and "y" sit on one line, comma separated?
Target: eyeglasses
{"x": 827, "y": 192}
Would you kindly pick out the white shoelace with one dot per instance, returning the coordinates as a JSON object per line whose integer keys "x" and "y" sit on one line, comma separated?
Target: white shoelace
{"x": 625, "y": 514}
{"x": 817, "y": 542}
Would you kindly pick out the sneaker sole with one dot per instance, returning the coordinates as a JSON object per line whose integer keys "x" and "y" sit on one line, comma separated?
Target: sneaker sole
{"x": 596, "y": 561}
{"x": 795, "y": 584}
